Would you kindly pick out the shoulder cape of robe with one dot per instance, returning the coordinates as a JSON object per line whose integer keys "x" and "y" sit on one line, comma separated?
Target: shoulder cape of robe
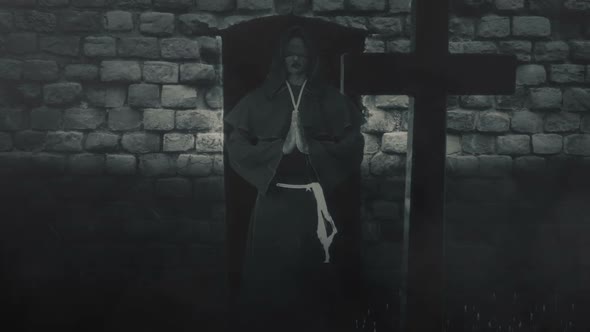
{"x": 261, "y": 120}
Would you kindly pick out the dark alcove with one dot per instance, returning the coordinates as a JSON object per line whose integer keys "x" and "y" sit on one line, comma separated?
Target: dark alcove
{"x": 247, "y": 50}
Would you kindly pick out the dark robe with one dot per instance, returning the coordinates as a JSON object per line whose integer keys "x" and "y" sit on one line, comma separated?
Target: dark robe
{"x": 285, "y": 283}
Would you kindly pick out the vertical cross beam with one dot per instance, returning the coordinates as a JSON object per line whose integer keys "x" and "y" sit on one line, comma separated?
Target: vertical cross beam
{"x": 422, "y": 303}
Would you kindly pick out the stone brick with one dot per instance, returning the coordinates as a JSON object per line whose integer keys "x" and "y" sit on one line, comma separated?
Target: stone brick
{"x": 218, "y": 165}
{"x": 194, "y": 164}
{"x": 395, "y": 142}
{"x": 453, "y": 144}
{"x": 461, "y": 28}
{"x": 551, "y": 51}
{"x": 160, "y": 72}
{"x": 102, "y": 142}
{"x": 368, "y": 5}
{"x": 473, "y": 47}
{"x": 140, "y": 4}
{"x": 462, "y": 165}
{"x": 120, "y": 71}
{"x": 53, "y": 3}
{"x": 86, "y": 21}
{"x": 5, "y": 141}
{"x": 64, "y": 141}
{"x": 144, "y": 95}
{"x": 531, "y": 75}
{"x": 174, "y": 187}
{"x": 30, "y": 92}
{"x": 254, "y": 4}
{"x": 40, "y": 70}
{"x": 492, "y": 121}
{"x": 21, "y": 42}
{"x": 124, "y": 119}
{"x": 527, "y": 122}
{"x": 547, "y": 143}
{"x": 86, "y": 163}
{"x": 399, "y": 6}
{"x": 157, "y": 24}
{"x": 100, "y": 46}
{"x": 154, "y": 164}
{"x": 372, "y": 144}
{"x": 35, "y": 21}
{"x": 197, "y": 73}
{"x": 577, "y": 144}
{"x": 88, "y": 3}
{"x": 197, "y": 23}
{"x": 576, "y": 100}
{"x": 45, "y": 118}
{"x": 6, "y": 22}
{"x": 509, "y": 4}
{"x": 179, "y": 48}
{"x": 178, "y": 142}
{"x": 373, "y": 45}
{"x": 545, "y": 98}
{"x": 10, "y": 69}
{"x": 478, "y": 144}
{"x": 121, "y": 164}
{"x": 580, "y": 50}
{"x": 495, "y": 166}
{"x": 179, "y": 96}
{"x": 398, "y": 46}
{"x": 521, "y": 48}
{"x": 48, "y": 163}
{"x": 30, "y": 140}
{"x": 585, "y": 126}
{"x": 83, "y": 118}
{"x": 562, "y": 122}
{"x": 531, "y": 26}
{"x": 513, "y": 144}
{"x": 209, "y": 189}
{"x": 476, "y": 101}
{"x": 379, "y": 121}
{"x": 65, "y": 45}
{"x": 528, "y": 164}
{"x": 566, "y": 73}
{"x": 215, "y": 5}
{"x": 81, "y": 72}
{"x": 388, "y": 26}
{"x": 106, "y": 95}
{"x": 209, "y": 48}
{"x": 493, "y": 27}
{"x": 200, "y": 120}
{"x": 139, "y": 47}
{"x": 118, "y": 21}
{"x": 61, "y": 93}
{"x": 392, "y": 101}
{"x": 209, "y": 142}
{"x": 173, "y": 4}
{"x": 383, "y": 164}
{"x": 158, "y": 119}
{"x": 214, "y": 97}
{"x": 577, "y": 5}
{"x": 139, "y": 142}
{"x": 327, "y": 5}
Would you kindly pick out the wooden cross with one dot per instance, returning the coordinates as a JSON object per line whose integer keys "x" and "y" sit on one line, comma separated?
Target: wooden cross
{"x": 429, "y": 74}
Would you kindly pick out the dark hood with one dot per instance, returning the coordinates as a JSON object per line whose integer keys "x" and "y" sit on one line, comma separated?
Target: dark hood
{"x": 277, "y": 75}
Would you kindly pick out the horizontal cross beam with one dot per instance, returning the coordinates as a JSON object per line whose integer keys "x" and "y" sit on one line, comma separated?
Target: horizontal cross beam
{"x": 380, "y": 73}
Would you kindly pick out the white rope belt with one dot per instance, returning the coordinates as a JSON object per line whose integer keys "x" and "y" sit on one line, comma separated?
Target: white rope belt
{"x": 323, "y": 214}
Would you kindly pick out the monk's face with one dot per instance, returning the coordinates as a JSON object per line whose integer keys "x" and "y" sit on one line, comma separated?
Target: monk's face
{"x": 296, "y": 57}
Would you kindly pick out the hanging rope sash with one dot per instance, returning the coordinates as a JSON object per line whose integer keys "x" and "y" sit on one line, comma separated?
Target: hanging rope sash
{"x": 323, "y": 215}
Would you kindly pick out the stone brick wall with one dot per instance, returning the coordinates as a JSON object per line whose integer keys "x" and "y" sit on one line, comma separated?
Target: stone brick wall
{"x": 104, "y": 90}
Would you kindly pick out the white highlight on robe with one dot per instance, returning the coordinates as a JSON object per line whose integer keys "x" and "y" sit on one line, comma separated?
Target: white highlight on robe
{"x": 323, "y": 214}
{"x": 296, "y": 103}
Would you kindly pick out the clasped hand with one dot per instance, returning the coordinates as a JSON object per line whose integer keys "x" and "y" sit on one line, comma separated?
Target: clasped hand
{"x": 295, "y": 137}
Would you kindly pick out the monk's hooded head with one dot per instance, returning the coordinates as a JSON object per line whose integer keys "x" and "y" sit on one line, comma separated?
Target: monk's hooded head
{"x": 295, "y": 54}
